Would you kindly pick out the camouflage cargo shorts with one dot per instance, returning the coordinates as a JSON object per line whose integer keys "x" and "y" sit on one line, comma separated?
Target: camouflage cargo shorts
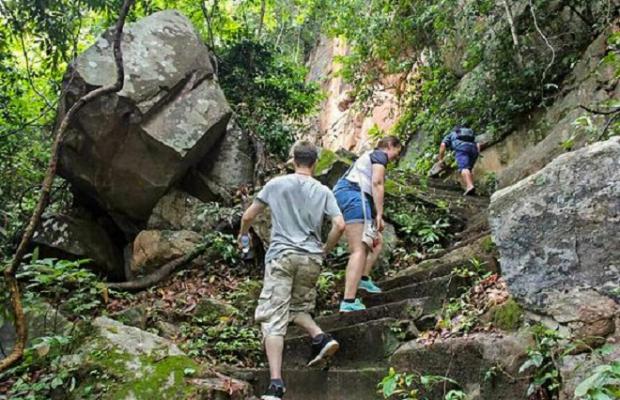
{"x": 288, "y": 289}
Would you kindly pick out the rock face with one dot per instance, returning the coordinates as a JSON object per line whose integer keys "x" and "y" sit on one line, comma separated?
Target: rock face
{"x": 152, "y": 249}
{"x": 523, "y": 153}
{"x": 339, "y": 125}
{"x": 71, "y": 237}
{"x": 227, "y": 167}
{"x": 557, "y": 234}
{"x": 124, "y": 151}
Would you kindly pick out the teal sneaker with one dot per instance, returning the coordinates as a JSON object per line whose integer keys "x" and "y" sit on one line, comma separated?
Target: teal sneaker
{"x": 349, "y": 307}
{"x": 369, "y": 286}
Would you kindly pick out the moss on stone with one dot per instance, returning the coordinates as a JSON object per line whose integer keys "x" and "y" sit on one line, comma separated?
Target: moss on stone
{"x": 508, "y": 316}
{"x": 125, "y": 376}
{"x": 164, "y": 379}
{"x": 488, "y": 246}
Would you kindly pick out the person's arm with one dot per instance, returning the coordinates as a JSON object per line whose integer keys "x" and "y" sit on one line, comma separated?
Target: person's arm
{"x": 249, "y": 216}
{"x": 442, "y": 151}
{"x": 334, "y": 235}
{"x": 378, "y": 192}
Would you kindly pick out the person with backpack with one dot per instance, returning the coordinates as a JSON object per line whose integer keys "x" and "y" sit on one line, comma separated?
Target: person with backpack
{"x": 298, "y": 205}
{"x": 360, "y": 194}
{"x": 462, "y": 141}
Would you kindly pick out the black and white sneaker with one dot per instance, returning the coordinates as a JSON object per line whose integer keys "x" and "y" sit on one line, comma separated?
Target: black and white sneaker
{"x": 274, "y": 393}
{"x": 324, "y": 349}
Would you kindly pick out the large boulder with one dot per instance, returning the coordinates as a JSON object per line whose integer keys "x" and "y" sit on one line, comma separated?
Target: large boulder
{"x": 125, "y": 150}
{"x": 64, "y": 236}
{"x": 153, "y": 248}
{"x": 557, "y": 234}
{"x": 228, "y": 167}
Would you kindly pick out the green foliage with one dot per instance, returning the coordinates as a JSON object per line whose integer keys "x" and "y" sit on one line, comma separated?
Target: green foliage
{"x": 223, "y": 246}
{"x": 227, "y": 342}
{"x": 66, "y": 283}
{"x": 420, "y": 226}
{"x": 541, "y": 361}
{"x": 403, "y": 386}
{"x": 602, "y": 384}
{"x": 267, "y": 90}
{"x": 41, "y": 373}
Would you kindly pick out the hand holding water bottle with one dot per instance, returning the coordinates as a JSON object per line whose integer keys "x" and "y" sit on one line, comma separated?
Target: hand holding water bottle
{"x": 245, "y": 244}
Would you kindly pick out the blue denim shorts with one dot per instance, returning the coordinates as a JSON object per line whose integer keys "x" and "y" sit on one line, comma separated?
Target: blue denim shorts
{"x": 466, "y": 156}
{"x": 349, "y": 198}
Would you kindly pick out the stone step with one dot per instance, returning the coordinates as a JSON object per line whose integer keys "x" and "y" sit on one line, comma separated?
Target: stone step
{"x": 485, "y": 364}
{"x": 437, "y": 289}
{"x": 363, "y": 343}
{"x": 320, "y": 384}
{"x": 428, "y": 271}
{"x": 407, "y": 309}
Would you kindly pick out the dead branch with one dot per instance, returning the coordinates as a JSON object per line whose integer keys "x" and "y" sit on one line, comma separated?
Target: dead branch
{"x": 513, "y": 31}
{"x": 162, "y": 273}
{"x": 11, "y": 270}
{"x": 542, "y": 35}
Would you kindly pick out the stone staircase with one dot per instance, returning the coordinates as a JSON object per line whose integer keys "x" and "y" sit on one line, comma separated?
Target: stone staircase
{"x": 373, "y": 340}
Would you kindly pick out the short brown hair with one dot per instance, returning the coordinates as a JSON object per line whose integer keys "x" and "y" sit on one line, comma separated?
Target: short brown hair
{"x": 304, "y": 153}
{"x": 389, "y": 141}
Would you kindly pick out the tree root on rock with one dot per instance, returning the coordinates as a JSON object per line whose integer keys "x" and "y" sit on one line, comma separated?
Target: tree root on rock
{"x": 160, "y": 274}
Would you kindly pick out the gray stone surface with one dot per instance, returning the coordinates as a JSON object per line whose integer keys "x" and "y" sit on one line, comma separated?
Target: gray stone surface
{"x": 557, "y": 234}
{"x": 71, "y": 237}
{"x": 125, "y": 150}
{"x": 226, "y": 168}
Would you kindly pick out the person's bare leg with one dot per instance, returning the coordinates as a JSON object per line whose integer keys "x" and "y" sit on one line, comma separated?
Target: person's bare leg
{"x": 357, "y": 259}
{"x": 274, "y": 346}
{"x": 305, "y": 321}
{"x": 373, "y": 256}
{"x": 468, "y": 179}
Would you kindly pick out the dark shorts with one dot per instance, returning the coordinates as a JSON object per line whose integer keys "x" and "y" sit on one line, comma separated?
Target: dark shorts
{"x": 466, "y": 156}
{"x": 349, "y": 198}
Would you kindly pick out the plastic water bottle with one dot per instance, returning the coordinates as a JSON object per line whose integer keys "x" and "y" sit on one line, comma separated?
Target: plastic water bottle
{"x": 245, "y": 244}
{"x": 246, "y": 249}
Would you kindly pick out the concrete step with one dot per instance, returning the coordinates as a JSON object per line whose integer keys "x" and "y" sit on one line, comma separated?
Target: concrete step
{"x": 407, "y": 309}
{"x": 363, "y": 343}
{"x": 317, "y": 384}
{"x": 437, "y": 289}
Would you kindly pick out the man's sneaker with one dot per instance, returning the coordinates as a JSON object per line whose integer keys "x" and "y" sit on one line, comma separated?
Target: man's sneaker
{"x": 349, "y": 307}
{"x": 274, "y": 393}
{"x": 369, "y": 286}
{"x": 326, "y": 348}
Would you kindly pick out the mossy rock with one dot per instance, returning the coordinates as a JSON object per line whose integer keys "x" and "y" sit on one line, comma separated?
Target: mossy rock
{"x": 210, "y": 310}
{"x": 331, "y": 166}
{"x": 507, "y": 316}
{"x": 118, "y": 362}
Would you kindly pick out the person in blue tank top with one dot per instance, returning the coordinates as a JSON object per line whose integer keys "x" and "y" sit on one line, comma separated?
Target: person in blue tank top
{"x": 462, "y": 141}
